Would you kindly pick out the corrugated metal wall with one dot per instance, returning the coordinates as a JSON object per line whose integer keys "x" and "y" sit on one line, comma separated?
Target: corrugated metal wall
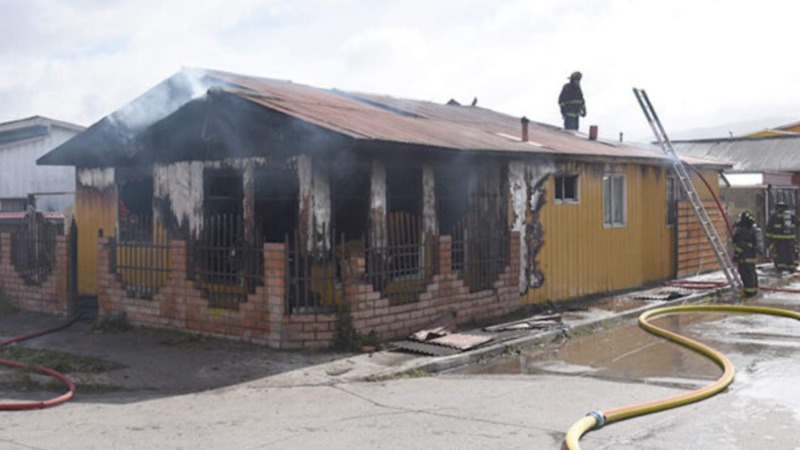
{"x": 19, "y": 174}
{"x": 581, "y": 256}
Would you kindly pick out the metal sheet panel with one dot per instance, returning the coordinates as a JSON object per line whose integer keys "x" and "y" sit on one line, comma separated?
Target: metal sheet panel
{"x": 775, "y": 153}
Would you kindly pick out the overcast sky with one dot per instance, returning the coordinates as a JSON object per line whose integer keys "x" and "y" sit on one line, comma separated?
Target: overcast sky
{"x": 703, "y": 63}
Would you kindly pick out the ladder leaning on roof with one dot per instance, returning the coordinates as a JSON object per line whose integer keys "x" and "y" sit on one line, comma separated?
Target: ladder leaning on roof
{"x": 688, "y": 188}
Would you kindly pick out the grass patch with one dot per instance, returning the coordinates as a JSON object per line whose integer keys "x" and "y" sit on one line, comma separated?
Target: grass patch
{"x": 115, "y": 323}
{"x": 25, "y": 382}
{"x": 6, "y": 305}
{"x": 56, "y": 360}
{"x": 182, "y": 339}
{"x": 348, "y": 338}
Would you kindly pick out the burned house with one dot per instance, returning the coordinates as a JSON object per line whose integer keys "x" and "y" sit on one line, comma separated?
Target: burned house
{"x": 264, "y": 209}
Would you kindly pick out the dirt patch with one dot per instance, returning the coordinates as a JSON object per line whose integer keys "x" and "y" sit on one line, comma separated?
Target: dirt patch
{"x": 141, "y": 363}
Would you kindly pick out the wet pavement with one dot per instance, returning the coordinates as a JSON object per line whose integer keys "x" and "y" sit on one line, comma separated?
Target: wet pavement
{"x": 195, "y": 393}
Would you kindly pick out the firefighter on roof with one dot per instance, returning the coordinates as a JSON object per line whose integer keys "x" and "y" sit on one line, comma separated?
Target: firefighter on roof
{"x": 571, "y": 102}
{"x": 745, "y": 252}
{"x": 781, "y": 232}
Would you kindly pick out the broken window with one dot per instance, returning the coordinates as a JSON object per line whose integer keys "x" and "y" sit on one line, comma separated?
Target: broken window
{"x": 404, "y": 190}
{"x": 351, "y": 199}
{"x": 223, "y": 192}
{"x": 276, "y": 203}
{"x": 404, "y": 212}
{"x": 135, "y": 204}
{"x": 614, "y": 199}
{"x": 566, "y": 189}
{"x": 452, "y": 198}
{"x": 396, "y": 269}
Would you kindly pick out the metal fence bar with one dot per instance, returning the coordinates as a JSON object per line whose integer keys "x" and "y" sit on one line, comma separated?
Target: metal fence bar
{"x": 480, "y": 252}
{"x": 33, "y": 250}
{"x": 226, "y": 266}
{"x": 314, "y": 278}
{"x": 140, "y": 256}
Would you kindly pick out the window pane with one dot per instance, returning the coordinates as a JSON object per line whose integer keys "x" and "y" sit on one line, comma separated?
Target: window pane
{"x": 619, "y": 200}
{"x": 559, "y": 188}
{"x": 672, "y": 209}
{"x": 571, "y": 187}
{"x": 606, "y": 200}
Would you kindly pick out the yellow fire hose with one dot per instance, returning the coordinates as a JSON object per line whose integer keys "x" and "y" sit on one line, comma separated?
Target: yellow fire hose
{"x": 597, "y": 419}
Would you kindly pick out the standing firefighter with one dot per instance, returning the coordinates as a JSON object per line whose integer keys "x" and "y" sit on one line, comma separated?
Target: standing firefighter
{"x": 571, "y": 102}
{"x": 781, "y": 232}
{"x": 745, "y": 251}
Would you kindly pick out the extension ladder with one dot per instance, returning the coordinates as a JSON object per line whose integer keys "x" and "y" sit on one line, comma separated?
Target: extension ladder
{"x": 717, "y": 244}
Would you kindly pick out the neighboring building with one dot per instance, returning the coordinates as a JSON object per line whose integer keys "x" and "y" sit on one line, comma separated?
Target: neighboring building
{"x": 792, "y": 129}
{"x": 765, "y": 170}
{"x": 22, "y": 142}
{"x": 257, "y": 208}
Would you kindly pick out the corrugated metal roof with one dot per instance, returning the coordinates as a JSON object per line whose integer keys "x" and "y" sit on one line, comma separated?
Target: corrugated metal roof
{"x": 772, "y": 153}
{"x": 363, "y": 117}
{"x": 384, "y": 118}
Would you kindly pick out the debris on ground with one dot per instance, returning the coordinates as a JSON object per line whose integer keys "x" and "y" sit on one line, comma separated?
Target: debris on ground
{"x": 441, "y": 341}
{"x": 540, "y": 321}
{"x": 662, "y": 293}
{"x": 425, "y": 335}
{"x": 461, "y": 342}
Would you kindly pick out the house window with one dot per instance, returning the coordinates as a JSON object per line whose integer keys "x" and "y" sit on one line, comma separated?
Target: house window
{"x": 614, "y": 199}
{"x": 134, "y": 204}
{"x": 566, "y": 189}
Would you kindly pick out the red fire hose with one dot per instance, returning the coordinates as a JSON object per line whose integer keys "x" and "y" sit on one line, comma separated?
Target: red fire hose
{"x": 47, "y": 371}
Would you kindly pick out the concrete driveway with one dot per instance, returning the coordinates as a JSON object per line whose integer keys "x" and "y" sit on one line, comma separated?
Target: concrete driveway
{"x": 185, "y": 392}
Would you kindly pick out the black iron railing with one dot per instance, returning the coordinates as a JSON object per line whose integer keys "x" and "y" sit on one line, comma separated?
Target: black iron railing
{"x": 140, "y": 256}
{"x": 479, "y": 256}
{"x": 224, "y": 263}
{"x": 315, "y": 279}
{"x": 33, "y": 250}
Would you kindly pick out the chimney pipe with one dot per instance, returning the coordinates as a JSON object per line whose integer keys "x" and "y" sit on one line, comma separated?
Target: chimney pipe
{"x": 593, "y": 132}
{"x": 525, "y": 129}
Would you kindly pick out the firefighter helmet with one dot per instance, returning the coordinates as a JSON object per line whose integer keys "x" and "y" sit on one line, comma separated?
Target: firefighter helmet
{"x": 576, "y": 76}
{"x": 747, "y": 218}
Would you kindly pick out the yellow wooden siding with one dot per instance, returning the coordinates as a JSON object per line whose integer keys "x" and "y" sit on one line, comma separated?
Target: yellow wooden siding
{"x": 94, "y": 209}
{"x": 148, "y": 263}
{"x": 657, "y": 237}
{"x": 581, "y": 257}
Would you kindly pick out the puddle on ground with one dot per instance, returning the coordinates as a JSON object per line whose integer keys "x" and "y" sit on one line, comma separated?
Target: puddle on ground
{"x": 629, "y": 353}
{"x": 604, "y": 308}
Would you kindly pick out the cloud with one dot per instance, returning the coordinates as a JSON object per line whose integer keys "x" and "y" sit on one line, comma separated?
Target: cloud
{"x": 702, "y": 61}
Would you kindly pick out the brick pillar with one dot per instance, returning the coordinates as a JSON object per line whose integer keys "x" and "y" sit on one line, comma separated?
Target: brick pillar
{"x": 445, "y": 255}
{"x": 5, "y": 249}
{"x": 354, "y": 269}
{"x": 61, "y": 273}
{"x": 104, "y": 300}
{"x": 173, "y": 304}
{"x": 275, "y": 284}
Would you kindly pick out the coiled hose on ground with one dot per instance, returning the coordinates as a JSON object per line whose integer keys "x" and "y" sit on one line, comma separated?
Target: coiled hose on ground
{"x": 45, "y": 370}
{"x": 597, "y": 419}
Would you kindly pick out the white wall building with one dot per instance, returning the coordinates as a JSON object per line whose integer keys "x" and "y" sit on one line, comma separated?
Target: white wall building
{"x": 22, "y": 142}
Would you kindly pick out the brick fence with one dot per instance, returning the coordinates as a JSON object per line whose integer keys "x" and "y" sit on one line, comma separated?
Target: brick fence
{"x": 50, "y": 295}
{"x": 263, "y": 317}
